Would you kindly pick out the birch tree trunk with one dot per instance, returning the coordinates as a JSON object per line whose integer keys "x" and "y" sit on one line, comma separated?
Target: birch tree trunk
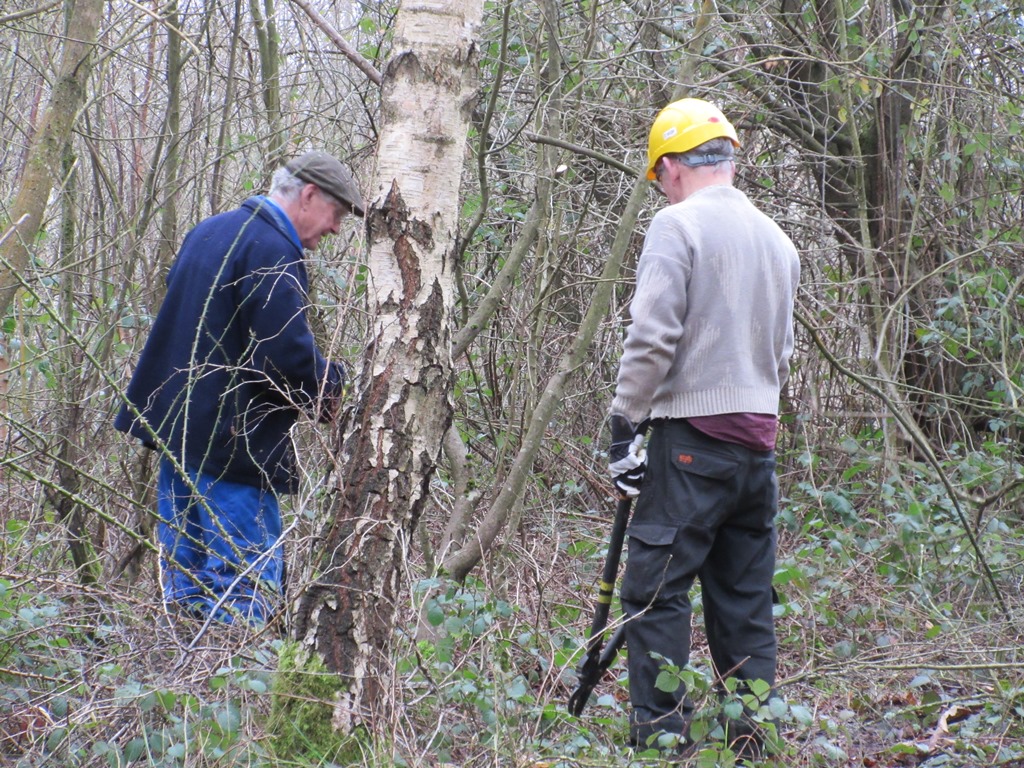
{"x": 429, "y": 88}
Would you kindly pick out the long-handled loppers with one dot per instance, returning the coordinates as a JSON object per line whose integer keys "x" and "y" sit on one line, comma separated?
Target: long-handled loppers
{"x": 598, "y": 659}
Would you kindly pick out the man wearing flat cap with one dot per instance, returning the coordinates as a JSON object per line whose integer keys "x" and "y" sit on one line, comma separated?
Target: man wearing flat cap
{"x": 229, "y": 366}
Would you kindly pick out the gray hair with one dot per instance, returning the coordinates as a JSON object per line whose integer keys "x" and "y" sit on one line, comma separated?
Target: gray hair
{"x": 285, "y": 184}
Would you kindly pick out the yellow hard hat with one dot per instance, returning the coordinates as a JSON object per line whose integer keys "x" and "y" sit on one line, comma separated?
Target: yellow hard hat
{"x": 683, "y": 125}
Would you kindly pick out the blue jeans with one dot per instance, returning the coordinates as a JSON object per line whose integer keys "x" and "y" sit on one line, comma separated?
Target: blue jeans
{"x": 221, "y": 551}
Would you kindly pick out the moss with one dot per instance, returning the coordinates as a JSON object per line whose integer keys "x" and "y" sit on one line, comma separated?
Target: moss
{"x": 302, "y": 703}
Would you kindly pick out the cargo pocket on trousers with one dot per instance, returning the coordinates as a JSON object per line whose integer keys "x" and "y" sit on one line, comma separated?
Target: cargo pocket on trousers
{"x": 650, "y": 551}
{"x": 702, "y": 483}
{"x": 710, "y": 465}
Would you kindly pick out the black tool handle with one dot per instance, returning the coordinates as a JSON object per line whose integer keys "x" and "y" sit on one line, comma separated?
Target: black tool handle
{"x": 595, "y": 662}
{"x": 606, "y": 587}
{"x": 591, "y": 669}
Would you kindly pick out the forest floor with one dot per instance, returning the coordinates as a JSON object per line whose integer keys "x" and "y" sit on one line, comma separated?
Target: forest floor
{"x": 876, "y": 668}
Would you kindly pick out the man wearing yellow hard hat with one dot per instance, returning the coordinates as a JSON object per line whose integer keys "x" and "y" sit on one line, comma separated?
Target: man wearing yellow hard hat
{"x": 705, "y": 358}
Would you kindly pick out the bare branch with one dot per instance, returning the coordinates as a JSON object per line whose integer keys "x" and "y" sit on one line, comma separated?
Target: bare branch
{"x": 350, "y": 53}
{"x": 585, "y": 151}
{"x": 28, "y": 12}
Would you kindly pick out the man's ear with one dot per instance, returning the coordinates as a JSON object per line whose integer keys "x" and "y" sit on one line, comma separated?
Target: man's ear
{"x": 308, "y": 192}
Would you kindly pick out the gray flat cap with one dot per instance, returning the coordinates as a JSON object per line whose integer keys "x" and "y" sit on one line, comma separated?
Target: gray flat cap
{"x": 330, "y": 175}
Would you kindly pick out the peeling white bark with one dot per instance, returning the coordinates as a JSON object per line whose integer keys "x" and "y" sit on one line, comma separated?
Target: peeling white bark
{"x": 404, "y": 404}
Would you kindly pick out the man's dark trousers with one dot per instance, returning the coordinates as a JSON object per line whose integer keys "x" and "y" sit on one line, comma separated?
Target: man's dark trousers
{"x": 707, "y": 509}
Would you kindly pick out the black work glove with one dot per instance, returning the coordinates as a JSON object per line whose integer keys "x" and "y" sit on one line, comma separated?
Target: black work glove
{"x": 627, "y": 457}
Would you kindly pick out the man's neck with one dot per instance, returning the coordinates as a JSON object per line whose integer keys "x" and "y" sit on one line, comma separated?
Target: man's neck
{"x": 289, "y": 209}
{"x": 701, "y": 178}
{"x": 288, "y": 206}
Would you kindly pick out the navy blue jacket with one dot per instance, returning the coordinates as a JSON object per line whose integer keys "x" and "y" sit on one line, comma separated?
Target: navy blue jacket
{"x": 230, "y": 361}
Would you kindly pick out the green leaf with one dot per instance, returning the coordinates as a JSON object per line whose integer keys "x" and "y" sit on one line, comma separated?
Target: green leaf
{"x": 228, "y": 719}
{"x": 176, "y": 751}
{"x": 778, "y": 708}
{"x": 840, "y": 505}
{"x": 760, "y": 688}
{"x": 733, "y": 709}
{"x": 517, "y": 690}
{"x": 844, "y": 649}
{"x": 667, "y": 681}
{"x": 134, "y": 750}
{"x": 801, "y": 714}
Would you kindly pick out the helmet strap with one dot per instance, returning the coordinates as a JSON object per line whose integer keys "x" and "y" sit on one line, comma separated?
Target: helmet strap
{"x": 709, "y": 158}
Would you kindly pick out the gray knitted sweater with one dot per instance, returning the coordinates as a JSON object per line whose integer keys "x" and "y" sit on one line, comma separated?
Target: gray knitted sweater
{"x": 712, "y": 316}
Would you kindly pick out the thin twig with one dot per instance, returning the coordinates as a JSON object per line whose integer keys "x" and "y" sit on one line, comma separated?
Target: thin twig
{"x": 12, "y": 229}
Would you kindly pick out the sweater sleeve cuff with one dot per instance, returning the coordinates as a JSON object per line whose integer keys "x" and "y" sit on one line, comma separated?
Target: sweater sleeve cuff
{"x": 634, "y": 411}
